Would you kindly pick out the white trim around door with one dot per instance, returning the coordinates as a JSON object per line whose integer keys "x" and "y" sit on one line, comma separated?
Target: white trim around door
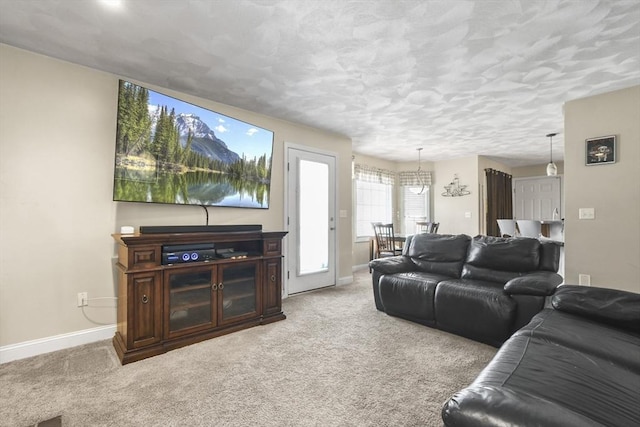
{"x": 299, "y": 274}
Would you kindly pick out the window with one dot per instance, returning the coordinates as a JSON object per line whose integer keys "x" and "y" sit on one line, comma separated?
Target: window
{"x": 415, "y": 207}
{"x": 373, "y": 198}
{"x": 373, "y": 204}
{"x": 415, "y": 199}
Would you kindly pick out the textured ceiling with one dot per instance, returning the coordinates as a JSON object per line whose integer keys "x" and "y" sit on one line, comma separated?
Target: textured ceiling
{"x": 454, "y": 77}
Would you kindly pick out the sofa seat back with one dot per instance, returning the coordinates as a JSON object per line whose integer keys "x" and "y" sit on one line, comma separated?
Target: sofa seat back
{"x": 438, "y": 253}
{"x": 500, "y": 259}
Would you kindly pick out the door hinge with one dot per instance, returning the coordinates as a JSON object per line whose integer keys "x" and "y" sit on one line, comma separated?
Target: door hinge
{"x": 287, "y": 274}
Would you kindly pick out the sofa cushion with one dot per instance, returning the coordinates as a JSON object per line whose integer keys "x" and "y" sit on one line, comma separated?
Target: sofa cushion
{"x": 391, "y": 265}
{"x": 534, "y": 382}
{"x": 488, "y": 274}
{"x": 493, "y": 405}
{"x": 610, "y": 306}
{"x": 540, "y": 283}
{"x": 475, "y": 309}
{"x": 439, "y": 253}
{"x": 528, "y": 306}
{"x": 409, "y": 295}
{"x": 504, "y": 254}
{"x": 587, "y": 336}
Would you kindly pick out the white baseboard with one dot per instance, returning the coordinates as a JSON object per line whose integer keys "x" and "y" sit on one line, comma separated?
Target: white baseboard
{"x": 345, "y": 280}
{"x": 57, "y": 342}
{"x": 360, "y": 267}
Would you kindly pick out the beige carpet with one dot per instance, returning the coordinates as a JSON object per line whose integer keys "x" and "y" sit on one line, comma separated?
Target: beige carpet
{"x": 335, "y": 361}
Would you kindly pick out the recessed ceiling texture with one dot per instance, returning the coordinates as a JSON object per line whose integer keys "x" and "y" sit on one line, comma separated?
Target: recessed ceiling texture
{"x": 457, "y": 78}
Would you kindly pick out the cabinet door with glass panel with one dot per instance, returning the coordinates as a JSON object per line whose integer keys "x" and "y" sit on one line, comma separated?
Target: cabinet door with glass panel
{"x": 190, "y": 300}
{"x": 239, "y": 296}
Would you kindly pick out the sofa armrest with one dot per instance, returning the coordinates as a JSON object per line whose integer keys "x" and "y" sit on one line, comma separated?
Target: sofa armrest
{"x": 391, "y": 265}
{"x": 540, "y": 283}
{"x": 611, "y": 306}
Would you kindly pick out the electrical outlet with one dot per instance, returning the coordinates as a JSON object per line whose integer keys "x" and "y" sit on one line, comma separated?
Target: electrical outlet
{"x": 584, "y": 279}
{"x": 82, "y": 299}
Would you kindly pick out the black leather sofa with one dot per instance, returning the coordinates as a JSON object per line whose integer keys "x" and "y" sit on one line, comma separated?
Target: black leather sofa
{"x": 484, "y": 288}
{"x": 576, "y": 363}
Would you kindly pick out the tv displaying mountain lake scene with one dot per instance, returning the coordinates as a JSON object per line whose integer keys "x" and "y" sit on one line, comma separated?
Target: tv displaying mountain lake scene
{"x": 170, "y": 151}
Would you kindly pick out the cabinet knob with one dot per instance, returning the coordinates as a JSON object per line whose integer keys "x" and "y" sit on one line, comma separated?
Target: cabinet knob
{"x": 214, "y": 287}
{"x": 273, "y": 277}
{"x": 145, "y": 299}
{"x": 220, "y": 286}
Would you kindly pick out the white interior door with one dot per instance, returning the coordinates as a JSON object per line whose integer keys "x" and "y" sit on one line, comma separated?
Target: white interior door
{"x": 311, "y": 220}
{"x": 537, "y": 198}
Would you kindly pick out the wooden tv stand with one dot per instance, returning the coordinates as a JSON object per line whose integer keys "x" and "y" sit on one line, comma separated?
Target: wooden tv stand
{"x": 166, "y": 306}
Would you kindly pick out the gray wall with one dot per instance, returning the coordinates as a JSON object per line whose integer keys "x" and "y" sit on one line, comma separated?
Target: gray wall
{"x": 57, "y": 143}
{"x": 607, "y": 247}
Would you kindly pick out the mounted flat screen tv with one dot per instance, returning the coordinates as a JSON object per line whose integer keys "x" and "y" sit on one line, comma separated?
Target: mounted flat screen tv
{"x": 170, "y": 151}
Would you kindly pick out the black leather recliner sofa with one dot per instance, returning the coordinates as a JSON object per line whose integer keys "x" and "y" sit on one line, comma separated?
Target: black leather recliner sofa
{"x": 484, "y": 288}
{"x": 576, "y": 364}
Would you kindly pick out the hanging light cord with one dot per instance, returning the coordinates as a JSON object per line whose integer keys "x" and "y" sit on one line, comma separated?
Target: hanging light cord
{"x": 550, "y": 136}
{"x": 420, "y": 181}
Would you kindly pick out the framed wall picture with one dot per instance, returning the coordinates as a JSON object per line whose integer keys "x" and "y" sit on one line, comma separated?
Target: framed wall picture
{"x": 601, "y": 150}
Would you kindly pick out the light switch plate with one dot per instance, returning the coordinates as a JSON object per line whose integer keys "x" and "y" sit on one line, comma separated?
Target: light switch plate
{"x": 586, "y": 213}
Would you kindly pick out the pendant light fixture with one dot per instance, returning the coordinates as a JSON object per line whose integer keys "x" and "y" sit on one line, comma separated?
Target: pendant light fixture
{"x": 552, "y": 169}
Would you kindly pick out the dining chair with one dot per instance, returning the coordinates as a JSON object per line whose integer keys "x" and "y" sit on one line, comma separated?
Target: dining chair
{"x": 386, "y": 243}
{"x": 529, "y": 228}
{"x": 427, "y": 227}
{"x": 507, "y": 227}
{"x": 556, "y": 231}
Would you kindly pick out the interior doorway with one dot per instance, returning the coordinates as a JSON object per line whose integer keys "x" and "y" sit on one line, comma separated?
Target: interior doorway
{"x": 310, "y": 218}
{"x": 537, "y": 198}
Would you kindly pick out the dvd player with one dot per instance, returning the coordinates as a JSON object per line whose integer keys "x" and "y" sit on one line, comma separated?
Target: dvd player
{"x": 178, "y": 254}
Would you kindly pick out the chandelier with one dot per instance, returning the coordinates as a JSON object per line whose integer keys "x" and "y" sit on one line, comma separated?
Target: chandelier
{"x": 419, "y": 178}
{"x": 455, "y": 189}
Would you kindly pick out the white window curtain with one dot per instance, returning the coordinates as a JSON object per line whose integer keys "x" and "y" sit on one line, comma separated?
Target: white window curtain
{"x": 369, "y": 174}
{"x": 414, "y": 178}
